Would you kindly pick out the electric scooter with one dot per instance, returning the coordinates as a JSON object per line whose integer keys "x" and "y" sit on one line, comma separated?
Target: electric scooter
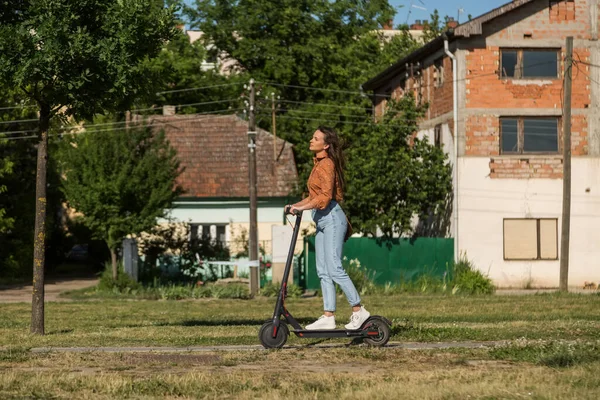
{"x": 375, "y": 331}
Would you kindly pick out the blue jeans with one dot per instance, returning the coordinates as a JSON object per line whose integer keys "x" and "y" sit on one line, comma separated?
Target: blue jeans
{"x": 329, "y": 242}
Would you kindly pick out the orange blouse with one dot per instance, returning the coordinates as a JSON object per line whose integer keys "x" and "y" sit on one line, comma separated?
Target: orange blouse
{"x": 323, "y": 184}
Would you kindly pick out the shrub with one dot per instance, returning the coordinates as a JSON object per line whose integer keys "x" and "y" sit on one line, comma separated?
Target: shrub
{"x": 272, "y": 290}
{"x": 360, "y": 276}
{"x": 123, "y": 281}
{"x": 468, "y": 280}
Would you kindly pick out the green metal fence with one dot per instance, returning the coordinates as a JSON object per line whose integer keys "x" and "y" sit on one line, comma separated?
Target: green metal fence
{"x": 394, "y": 261}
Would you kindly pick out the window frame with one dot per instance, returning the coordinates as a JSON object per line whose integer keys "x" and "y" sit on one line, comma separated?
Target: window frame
{"x": 521, "y": 135}
{"x": 519, "y": 65}
{"x": 538, "y": 237}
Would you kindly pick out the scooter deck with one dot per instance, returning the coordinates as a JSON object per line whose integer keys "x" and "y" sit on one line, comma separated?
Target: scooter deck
{"x": 330, "y": 333}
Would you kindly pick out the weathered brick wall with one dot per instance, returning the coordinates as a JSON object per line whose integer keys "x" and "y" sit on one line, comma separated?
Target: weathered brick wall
{"x": 562, "y": 10}
{"x": 526, "y": 167}
{"x": 484, "y": 140}
{"x": 439, "y": 98}
{"x": 564, "y": 19}
{"x": 486, "y": 89}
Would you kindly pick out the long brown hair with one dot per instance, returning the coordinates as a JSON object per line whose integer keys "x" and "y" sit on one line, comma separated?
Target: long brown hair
{"x": 335, "y": 152}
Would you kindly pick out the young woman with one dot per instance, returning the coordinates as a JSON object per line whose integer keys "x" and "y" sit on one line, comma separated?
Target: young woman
{"x": 326, "y": 188}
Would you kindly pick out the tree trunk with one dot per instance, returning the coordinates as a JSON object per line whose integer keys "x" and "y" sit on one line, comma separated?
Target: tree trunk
{"x": 113, "y": 258}
{"x": 39, "y": 247}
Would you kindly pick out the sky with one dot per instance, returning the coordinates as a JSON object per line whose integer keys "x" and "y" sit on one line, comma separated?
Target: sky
{"x": 444, "y": 7}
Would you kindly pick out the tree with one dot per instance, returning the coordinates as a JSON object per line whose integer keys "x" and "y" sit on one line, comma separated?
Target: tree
{"x": 122, "y": 181}
{"x": 435, "y": 27}
{"x": 394, "y": 176}
{"x": 332, "y": 47}
{"x": 6, "y": 166}
{"x": 180, "y": 66}
{"x": 76, "y": 58}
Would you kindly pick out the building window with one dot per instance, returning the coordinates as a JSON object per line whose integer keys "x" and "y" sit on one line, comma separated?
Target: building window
{"x": 212, "y": 232}
{"x": 531, "y": 239}
{"x": 523, "y": 135}
{"x": 437, "y": 136}
{"x": 529, "y": 63}
{"x": 438, "y": 73}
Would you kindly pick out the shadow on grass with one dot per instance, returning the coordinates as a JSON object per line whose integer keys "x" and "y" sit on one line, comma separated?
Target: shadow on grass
{"x": 60, "y": 332}
{"x": 226, "y": 322}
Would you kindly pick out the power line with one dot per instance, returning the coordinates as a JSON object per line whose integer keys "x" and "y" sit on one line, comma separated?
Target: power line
{"x": 18, "y": 121}
{"x": 364, "y": 94}
{"x": 326, "y": 105}
{"x": 134, "y": 124}
{"x": 147, "y": 109}
{"x": 321, "y": 113}
{"x": 14, "y": 132}
{"x": 17, "y": 107}
{"x": 198, "y": 88}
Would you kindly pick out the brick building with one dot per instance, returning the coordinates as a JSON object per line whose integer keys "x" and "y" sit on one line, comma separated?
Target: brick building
{"x": 495, "y": 89}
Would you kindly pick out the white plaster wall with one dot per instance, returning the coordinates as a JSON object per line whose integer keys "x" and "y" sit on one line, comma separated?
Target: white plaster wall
{"x": 237, "y": 217}
{"x": 485, "y": 202}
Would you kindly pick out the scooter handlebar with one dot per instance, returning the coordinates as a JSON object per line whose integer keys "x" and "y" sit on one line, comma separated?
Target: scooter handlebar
{"x": 288, "y": 210}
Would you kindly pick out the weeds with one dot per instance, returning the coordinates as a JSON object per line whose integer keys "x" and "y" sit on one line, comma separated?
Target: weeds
{"x": 271, "y": 290}
{"x": 555, "y": 354}
{"x": 461, "y": 278}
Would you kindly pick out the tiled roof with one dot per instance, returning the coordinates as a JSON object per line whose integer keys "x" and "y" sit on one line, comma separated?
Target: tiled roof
{"x": 213, "y": 150}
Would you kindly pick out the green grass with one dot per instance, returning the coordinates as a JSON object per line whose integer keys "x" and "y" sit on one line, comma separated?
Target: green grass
{"x": 551, "y": 350}
{"x": 225, "y": 321}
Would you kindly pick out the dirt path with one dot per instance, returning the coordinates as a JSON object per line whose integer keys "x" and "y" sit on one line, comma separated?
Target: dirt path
{"x": 53, "y": 287}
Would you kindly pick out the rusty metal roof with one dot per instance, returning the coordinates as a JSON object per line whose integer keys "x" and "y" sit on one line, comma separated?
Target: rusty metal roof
{"x": 467, "y": 29}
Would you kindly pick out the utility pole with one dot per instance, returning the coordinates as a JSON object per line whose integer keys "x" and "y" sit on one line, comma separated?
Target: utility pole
{"x": 566, "y": 211}
{"x": 274, "y": 125}
{"x": 254, "y": 262}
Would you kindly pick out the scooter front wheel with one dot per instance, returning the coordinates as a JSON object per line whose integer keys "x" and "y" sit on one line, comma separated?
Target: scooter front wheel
{"x": 265, "y": 335}
{"x": 383, "y": 329}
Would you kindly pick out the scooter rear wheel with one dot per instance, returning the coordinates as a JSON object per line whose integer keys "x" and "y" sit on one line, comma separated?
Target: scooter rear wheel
{"x": 384, "y": 332}
{"x": 265, "y": 335}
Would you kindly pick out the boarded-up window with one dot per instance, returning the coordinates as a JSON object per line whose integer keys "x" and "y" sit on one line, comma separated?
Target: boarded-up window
{"x": 531, "y": 239}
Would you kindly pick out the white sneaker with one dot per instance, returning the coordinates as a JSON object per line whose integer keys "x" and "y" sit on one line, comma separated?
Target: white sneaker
{"x": 322, "y": 323}
{"x": 358, "y": 318}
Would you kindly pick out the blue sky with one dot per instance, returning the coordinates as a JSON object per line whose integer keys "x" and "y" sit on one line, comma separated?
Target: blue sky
{"x": 445, "y": 7}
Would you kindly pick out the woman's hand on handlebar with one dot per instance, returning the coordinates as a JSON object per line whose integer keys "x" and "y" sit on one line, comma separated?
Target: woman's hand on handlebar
{"x": 290, "y": 209}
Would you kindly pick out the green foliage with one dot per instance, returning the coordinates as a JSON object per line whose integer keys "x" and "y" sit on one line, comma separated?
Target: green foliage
{"x": 121, "y": 180}
{"x": 332, "y": 47}
{"x": 6, "y": 167}
{"x": 123, "y": 281}
{"x": 169, "y": 247}
{"x": 461, "y": 279}
{"x": 393, "y": 176}
{"x": 272, "y": 290}
{"x": 469, "y": 280}
{"x": 360, "y": 276}
{"x": 82, "y": 57}
{"x": 124, "y": 287}
{"x": 179, "y": 66}
{"x": 435, "y": 27}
